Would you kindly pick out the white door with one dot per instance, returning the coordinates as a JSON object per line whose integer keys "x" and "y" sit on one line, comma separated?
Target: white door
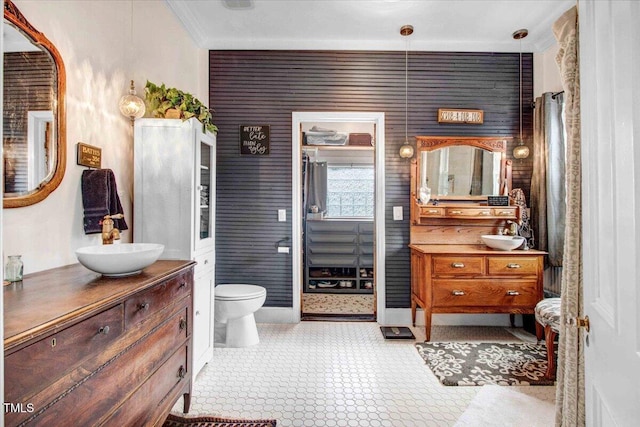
{"x": 610, "y": 97}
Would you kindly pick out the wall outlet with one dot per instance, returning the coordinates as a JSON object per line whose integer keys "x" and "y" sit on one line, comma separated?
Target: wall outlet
{"x": 282, "y": 215}
{"x": 397, "y": 213}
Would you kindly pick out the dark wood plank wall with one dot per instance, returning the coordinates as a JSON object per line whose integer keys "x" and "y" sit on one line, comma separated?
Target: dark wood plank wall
{"x": 265, "y": 87}
{"x": 28, "y": 79}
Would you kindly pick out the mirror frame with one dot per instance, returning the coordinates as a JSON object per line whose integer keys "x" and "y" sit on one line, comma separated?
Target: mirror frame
{"x": 15, "y": 17}
{"x": 490, "y": 143}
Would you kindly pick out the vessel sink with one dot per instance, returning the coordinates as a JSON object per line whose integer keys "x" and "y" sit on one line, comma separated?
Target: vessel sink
{"x": 119, "y": 260}
{"x": 503, "y": 243}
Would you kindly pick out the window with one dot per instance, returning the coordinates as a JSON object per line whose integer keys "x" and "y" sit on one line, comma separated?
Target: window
{"x": 350, "y": 191}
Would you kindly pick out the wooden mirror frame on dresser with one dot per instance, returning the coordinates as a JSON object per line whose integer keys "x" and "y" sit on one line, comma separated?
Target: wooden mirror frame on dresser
{"x": 452, "y": 270}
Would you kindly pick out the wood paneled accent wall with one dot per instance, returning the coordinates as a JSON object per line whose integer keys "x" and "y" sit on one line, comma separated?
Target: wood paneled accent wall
{"x": 265, "y": 87}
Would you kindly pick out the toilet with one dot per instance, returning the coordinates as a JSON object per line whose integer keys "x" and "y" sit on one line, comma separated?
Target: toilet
{"x": 235, "y": 325}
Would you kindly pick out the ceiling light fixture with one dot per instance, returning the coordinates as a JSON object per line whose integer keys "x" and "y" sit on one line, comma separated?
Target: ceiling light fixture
{"x": 520, "y": 151}
{"x": 131, "y": 105}
{"x": 406, "y": 150}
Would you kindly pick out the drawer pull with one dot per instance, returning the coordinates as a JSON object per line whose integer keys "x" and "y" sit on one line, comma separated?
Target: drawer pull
{"x": 182, "y": 372}
{"x": 456, "y": 212}
{"x": 54, "y": 342}
{"x": 513, "y": 265}
{"x": 143, "y": 306}
{"x": 184, "y": 284}
{"x": 104, "y": 330}
{"x": 457, "y": 293}
{"x": 505, "y": 213}
{"x": 183, "y": 324}
{"x": 432, "y": 211}
{"x": 513, "y": 293}
{"x": 457, "y": 264}
{"x": 484, "y": 213}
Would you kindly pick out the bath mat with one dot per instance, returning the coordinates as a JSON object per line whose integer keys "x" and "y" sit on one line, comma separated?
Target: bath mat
{"x": 211, "y": 421}
{"x": 478, "y": 363}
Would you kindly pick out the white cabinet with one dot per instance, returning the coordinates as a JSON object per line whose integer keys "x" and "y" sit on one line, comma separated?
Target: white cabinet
{"x": 174, "y": 204}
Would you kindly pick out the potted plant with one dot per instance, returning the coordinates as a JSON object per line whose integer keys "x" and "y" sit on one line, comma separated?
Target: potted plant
{"x": 173, "y": 103}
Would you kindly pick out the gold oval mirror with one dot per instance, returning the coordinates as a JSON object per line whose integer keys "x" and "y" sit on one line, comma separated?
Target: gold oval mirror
{"x": 33, "y": 129}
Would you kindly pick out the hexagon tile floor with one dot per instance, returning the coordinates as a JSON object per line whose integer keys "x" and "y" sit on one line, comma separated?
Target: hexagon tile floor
{"x": 338, "y": 374}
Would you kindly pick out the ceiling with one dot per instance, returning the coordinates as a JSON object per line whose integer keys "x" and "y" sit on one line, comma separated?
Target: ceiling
{"x": 439, "y": 25}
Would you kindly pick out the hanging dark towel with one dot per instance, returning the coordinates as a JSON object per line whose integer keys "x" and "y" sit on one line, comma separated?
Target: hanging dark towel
{"x": 100, "y": 198}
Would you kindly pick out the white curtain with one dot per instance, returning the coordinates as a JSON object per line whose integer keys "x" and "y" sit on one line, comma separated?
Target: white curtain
{"x": 570, "y": 398}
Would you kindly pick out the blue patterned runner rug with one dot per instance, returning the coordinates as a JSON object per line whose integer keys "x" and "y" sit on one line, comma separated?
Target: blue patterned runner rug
{"x": 479, "y": 363}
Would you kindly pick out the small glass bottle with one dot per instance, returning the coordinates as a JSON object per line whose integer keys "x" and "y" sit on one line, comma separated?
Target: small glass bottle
{"x": 13, "y": 269}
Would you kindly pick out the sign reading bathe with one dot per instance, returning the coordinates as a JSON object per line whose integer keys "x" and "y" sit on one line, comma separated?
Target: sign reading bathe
{"x": 254, "y": 139}
{"x": 448, "y": 115}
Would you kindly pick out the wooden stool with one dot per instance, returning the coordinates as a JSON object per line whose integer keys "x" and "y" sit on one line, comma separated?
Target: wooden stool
{"x": 547, "y": 314}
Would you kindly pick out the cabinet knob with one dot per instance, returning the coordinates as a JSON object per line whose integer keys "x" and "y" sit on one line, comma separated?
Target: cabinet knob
{"x": 457, "y": 264}
{"x": 457, "y": 293}
{"x": 143, "y": 306}
{"x": 513, "y": 265}
{"x": 104, "y": 330}
{"x": 183, "y": 324}
{"x": 513, "y": 293}
{"x": 184, "y": 284}
{"x": 182, "y": 372}
{"x": 197, "y": 312}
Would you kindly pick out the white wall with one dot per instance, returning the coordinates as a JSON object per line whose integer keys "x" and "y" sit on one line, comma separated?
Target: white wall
{"x": 546, "y": 77}
{"x": 96, "y": 42}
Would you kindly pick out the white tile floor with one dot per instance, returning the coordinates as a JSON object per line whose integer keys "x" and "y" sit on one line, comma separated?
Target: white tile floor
{"x": 337, "y": 374}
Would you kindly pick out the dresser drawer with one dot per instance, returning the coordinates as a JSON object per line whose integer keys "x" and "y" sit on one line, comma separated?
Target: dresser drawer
{"x": 431, "y": 211}
{"x": 145, "y": 304}
{"x": 333, "y": 226}
{"x": 484, "y": 293}
{"x": 505, "y": 211}
{"x": 40, "y": 364}
{"x": 520, "y": 266}
{"x": 468, "y": 212}
{"x": 332, "y": 260}
{"x": 333, "y": 237}
{"x": 447, "y": 265}
{"x": 328, "y": 248}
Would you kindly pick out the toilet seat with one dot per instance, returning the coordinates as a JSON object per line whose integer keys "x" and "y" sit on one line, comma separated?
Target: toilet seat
{"x": 238, "y": 292}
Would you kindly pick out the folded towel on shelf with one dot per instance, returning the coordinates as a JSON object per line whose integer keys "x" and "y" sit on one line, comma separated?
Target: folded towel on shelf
{"x": 100, "y": 198}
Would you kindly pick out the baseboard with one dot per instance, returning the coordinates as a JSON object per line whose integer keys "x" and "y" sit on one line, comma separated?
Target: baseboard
{"x": 397, "y": 317}
{"x": 402, "y": 317}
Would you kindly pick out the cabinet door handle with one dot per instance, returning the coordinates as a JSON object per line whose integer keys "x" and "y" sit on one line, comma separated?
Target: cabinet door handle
{"x": 143, "y": 306}
{"x": 457, "y": 293}
{"x": 183, "y": 324}
{"x": 104, "y": 330}
{"x": 182, "y": 372}
{"x": 457, "y": 265}
{"x": 513, "y": 293}
{"x": 513, "y": 265}
{"x": 456, "y": 212}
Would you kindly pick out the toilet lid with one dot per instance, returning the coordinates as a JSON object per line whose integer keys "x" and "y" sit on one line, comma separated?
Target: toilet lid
{"x": 238, "y": 292}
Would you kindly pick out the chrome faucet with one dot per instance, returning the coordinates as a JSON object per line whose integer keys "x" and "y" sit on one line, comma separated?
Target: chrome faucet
{"x": 109, "y": 232}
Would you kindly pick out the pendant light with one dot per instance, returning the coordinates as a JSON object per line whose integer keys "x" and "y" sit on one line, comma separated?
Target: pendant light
{"x": 520, "y": 151}
{"x": 131, "y": 105}
{"x": 406, "y": 150}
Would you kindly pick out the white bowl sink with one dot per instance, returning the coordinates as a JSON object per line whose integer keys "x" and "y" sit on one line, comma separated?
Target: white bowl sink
{"x": 503, "y": 243}
{"x": 118, "y": 260}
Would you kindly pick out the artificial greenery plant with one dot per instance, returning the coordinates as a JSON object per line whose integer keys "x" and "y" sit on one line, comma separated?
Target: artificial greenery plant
{"x": 159, "y": 99}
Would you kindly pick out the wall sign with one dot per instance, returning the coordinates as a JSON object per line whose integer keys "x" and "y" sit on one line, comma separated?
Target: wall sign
{"x": 448, "y": 115}
{"x": 254, "y": 139}
{"x": 89, "y": 156}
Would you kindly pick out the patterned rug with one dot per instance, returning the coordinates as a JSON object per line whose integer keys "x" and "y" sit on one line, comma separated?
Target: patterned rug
{"x": 204, "y": 421}
{"x": 478, "y": 363}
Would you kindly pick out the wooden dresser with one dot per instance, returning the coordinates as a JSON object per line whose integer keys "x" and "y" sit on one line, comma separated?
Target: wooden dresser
{"x": 87, "y": 350}
{"x": 473, "y": 279}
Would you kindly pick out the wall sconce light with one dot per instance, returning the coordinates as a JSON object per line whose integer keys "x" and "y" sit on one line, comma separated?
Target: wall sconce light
{"x": 406, "y": 151}
{"x": 131, "y": 105}
{"x": 520, "y": 151}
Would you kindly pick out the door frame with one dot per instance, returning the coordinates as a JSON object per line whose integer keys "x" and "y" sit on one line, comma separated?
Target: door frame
{"x": 377, "y": 118}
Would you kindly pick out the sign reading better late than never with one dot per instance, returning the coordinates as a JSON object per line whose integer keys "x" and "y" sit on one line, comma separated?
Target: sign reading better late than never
{"x": 254, "y": 139}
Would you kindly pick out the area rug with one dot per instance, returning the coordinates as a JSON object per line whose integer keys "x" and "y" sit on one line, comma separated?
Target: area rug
{"x": 496, "y": 406}
{"x": 204, "y": 421}
{"x": 478, "y": 363}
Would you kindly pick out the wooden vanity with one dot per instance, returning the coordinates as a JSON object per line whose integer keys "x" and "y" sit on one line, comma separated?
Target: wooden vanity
{"x": 88, "y": 350}
{"x": 452, "y": 270}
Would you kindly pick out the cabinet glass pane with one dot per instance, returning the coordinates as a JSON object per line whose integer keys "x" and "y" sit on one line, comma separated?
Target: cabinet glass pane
{"x": 205, "y": 184}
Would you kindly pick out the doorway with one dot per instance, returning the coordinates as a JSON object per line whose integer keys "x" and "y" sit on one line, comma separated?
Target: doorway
{"x": 338, "y": 228}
